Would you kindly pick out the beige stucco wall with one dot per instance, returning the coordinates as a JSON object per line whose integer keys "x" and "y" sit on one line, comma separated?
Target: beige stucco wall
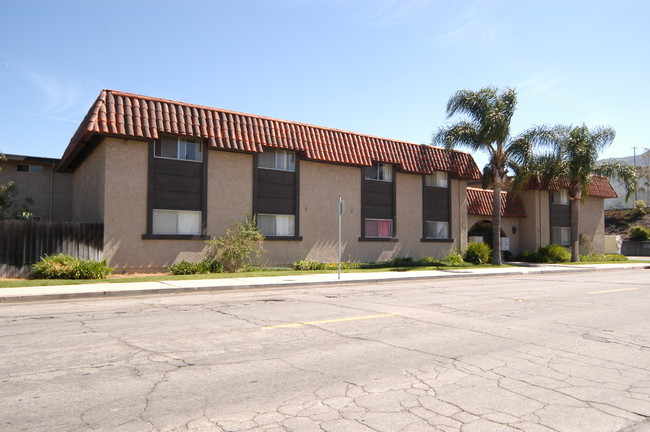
{"x": 320, "y": 186}
{"x": 123, "y": 180}
{"x": 125, "y": 217}
{"x": 459, "y": 217}
{"x": 230, "y": 189}
{"x": 51, "y": 192}
{"x": 534, "y": 230}
{"x": 62, "y": 197}
{"x": 592, "y": 225}
{"x": 88, "y": 187}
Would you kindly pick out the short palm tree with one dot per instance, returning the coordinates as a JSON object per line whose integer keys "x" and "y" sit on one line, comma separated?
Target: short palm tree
{"x": 487, "y": 128}
{"x": 571, "y": 157}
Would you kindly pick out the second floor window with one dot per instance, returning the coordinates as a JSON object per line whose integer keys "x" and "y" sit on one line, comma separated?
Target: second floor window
{"x": 560, "y": 197}
{"x": 379, "y": 171}
{"x": 281, "y": 160}
{"x": 437, "y": 179}
{"x": 178, "y": 148}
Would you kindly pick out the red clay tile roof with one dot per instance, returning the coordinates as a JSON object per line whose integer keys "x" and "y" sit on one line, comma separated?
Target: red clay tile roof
{"x": 479, "y": 202}
{"x": 141, "y": 117}
{"x": 599, "y": 187}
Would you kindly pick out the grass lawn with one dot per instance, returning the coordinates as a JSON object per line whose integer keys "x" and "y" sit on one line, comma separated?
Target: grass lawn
{"x": 16, "y": 283}
{"x": 125, "y": 278}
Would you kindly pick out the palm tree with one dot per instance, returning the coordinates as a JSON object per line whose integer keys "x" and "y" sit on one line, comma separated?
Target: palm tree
{"x": 571, "y": 157}
{"x": 487, "y": 128}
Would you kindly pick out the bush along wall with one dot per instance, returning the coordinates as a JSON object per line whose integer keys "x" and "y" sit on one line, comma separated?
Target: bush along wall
{"x": 62, "y": 266}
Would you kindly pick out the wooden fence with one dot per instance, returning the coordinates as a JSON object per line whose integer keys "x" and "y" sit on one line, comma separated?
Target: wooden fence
{"x": 22, "y": 243}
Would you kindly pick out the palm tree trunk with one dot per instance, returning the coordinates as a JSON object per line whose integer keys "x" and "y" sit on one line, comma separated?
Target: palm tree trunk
{"x": 575, "y": 229}
{"x": 496, "y": 225}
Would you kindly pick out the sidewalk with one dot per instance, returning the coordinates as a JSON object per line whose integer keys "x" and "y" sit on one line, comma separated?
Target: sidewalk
{"x": 40, "y": 293}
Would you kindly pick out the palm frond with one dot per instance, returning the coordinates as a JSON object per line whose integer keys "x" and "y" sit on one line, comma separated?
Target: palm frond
{"x": 476, "y": 105}
{"x": 462, "y": 134}
{"x": 622, "y": 171}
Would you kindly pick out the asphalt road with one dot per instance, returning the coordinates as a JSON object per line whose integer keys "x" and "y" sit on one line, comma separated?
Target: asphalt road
{"x": 564, "y": 352}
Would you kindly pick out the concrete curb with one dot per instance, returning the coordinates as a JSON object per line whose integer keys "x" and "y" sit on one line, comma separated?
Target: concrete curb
{"x": 89, "y": 291}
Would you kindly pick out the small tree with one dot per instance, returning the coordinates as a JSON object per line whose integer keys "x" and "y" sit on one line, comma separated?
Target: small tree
{"x": 9, "y": 201}
{"x": 241, "y": 245}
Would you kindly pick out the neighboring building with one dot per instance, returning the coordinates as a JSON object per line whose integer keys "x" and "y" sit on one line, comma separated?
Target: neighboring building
{"x": 164, "y": 176}
{"x": 36, "y": 179}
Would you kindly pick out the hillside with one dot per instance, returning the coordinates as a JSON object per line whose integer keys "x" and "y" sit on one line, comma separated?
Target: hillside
{"x": 620, "y": 222}
{"x": 643, "y": 165}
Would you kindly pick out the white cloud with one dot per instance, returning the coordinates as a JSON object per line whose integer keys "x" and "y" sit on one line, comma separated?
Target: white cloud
{"x": 389, "y": 13}
{"x": 57, "y": 96}
{"x": 373, "y": 13}
{"x": 475, "y": 26}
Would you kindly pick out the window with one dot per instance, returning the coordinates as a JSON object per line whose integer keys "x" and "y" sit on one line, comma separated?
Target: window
{"x": 176, "y": 222}
{"x": 560, "y": 197}
{"x": 178, "y": 148}
{"x": 276, "y": 225}
{"x": 378, "y": 228}
{"x": 561, "y": 236}
{"x": 437, "y": 179}
{"x": 437, "y": 230}
{"x": 380, "y": 172}
{"x": 34, "y": 169}
{"x": 281, "y": 160}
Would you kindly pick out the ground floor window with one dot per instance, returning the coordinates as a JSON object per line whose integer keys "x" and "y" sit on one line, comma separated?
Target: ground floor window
{"x": 276, "y": 225}
{"x": 437, "y": 230}
{"x": 378, "y": 227}
{"x": 561, "y": 236}
{"x": 176, "y": 222}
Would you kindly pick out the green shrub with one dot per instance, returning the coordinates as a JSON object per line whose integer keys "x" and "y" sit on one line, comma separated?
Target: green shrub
{"x": 308, "y": 264}
{"x": 311, "y": 264}
{"x": 477, "y": 253}
{"x": 530, "y": 256}
{"x": 429, "y": 261}
{"x": 453, "y": 259}
{"x": 555, "y": 253}
{"x": 345, "y": 265}
{"x": 63, "y": 266}
{"x": 203, "y": 267}
{"x": 403, "y": 262}
{"x": 600, "y": 257}
{"x": 184, "y": 268}
{"x": 639, "y": 233}
{"x": 237, "y": 247}
{"x": 546, "y": 254}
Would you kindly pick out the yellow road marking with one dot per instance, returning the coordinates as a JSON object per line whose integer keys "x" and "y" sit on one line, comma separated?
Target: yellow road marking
{"x": 612, "y": 291}
{"x": 327, "y": 321}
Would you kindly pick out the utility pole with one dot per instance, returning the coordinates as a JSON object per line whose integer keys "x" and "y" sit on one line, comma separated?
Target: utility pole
{"x": 635, "y": 171}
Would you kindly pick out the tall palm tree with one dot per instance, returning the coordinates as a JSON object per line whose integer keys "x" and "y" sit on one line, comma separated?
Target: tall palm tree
{"x": 571, "y": 157}
{"x": 487, "y": 128}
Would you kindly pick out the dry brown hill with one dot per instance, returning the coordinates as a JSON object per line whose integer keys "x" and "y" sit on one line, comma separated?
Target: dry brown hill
{"x": 620, "y": 222}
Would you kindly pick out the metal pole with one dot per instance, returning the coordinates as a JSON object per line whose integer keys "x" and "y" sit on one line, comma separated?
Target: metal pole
{"x": 340, "y": 212}
{"x": 634, "y": 148}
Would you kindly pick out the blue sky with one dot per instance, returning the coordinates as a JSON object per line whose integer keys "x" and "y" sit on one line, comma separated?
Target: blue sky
{"x": 380, "y": 67}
